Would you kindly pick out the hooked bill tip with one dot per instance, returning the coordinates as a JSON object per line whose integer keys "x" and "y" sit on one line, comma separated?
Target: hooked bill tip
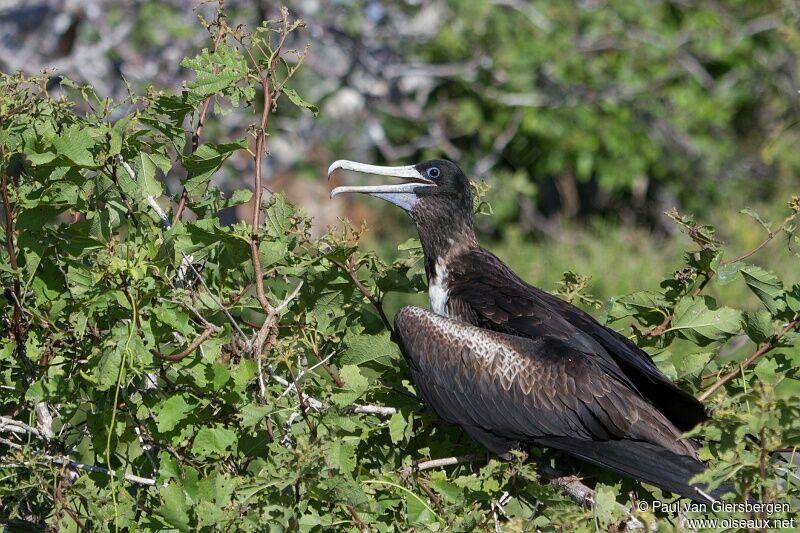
{"x": 334, "y": 166}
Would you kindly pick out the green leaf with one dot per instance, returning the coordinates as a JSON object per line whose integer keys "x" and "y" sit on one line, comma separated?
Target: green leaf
{"x": 766, "y": 286}
{"x": 353, "y": 379}
{"x": 75, "y": 144}
{"x": 699, "y": 320}
{"x": 606, "y": 506}
{"x": 298, "y": 101}
{"x": 749, "y": 212}
{"x": 397, "y": 427}
{"x": 271, "y": 252}
{"x": 252, "y": 414}
{"x": 788, "y": 389}
{"x": 758, "y": 325}
{"x": 230, "y": 66}
{"x": 635, "y": 304}
{"x": 214, "y": 441}
{"x": 418, "y": 512}
{"x": 364, "y": 348}
{"x": 727, "y": 272}
{"x": 107, "y": 370}
{"x": 172, "y": 411}
{"x": 355, "y": 384}
{"x": 204, "y": 162}
{"x": 174, "y": 507}
{"x": 689, "y": 364}
{"x": 793, "y": 298}
{"x": 145, "y": 170}
{"x": 342, "y": 456}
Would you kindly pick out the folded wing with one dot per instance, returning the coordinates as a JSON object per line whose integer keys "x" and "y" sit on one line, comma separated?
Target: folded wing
{"x": 504, "y": 390}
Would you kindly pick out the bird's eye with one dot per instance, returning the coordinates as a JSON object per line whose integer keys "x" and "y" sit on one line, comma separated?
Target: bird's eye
{"x": 433, "y": 172}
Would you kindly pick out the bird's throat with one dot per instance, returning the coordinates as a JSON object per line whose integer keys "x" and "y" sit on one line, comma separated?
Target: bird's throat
{"x": 438, "y": 291}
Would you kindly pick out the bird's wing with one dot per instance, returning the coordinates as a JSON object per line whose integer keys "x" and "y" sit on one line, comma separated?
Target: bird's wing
{"x": 523, "y": 389}
{"x": 484, "y": 291}
{"x": 503, "y": 390}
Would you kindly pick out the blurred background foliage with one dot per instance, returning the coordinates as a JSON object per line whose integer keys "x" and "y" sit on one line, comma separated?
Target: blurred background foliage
{"x": 589, "y": 119}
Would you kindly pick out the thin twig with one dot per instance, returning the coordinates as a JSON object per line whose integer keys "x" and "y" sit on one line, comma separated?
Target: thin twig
{"x": 268, "y": 329}
{"x": 755, "y": 356}
{"x": 303, "y": 405}
{"x": 312, "y": 402}
{"x": 304, "y": 372}
{"x": 17, "y": 321}
{"x": 361, "y": 525}
{"x": 418, "y": 466}
{"x": 376, "y": 302}
{"x": 257, "y": 192}
{"x": 210, "y": 328}
{"x": 216, "y": 300}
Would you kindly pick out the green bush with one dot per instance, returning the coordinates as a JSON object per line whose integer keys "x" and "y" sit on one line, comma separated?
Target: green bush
{"x": 166, "y": 372}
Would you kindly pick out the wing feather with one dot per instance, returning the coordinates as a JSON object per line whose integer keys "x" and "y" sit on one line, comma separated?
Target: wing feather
{"x": 521, "y": 389}
{"x": 485, "y": 292}
{"x": 504, "y": 390}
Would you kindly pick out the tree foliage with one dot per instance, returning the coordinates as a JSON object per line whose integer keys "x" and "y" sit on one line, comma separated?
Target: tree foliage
{"x": 159, "y": 370}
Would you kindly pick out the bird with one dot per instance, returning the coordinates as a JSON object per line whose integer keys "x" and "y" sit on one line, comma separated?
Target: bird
{"x": 512, "y": 364}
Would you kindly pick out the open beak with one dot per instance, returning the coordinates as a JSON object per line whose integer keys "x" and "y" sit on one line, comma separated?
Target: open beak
{"x": 401, "y": 194}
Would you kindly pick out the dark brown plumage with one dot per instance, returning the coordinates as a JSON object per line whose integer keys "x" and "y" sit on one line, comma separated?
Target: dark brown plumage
{"x": 512, "y": 364}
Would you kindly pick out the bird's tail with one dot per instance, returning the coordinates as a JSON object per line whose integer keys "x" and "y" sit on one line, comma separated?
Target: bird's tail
{"x": 643, "y": 461}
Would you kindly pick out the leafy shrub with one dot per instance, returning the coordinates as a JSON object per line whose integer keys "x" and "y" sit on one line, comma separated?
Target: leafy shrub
{"x": 171, "y": 373}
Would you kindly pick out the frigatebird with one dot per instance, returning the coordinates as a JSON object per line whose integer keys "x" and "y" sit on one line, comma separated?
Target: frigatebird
{"x": 511, "y": 364}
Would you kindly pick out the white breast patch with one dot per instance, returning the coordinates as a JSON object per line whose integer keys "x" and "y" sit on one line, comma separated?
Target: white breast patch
{"x": 437, "y": 289}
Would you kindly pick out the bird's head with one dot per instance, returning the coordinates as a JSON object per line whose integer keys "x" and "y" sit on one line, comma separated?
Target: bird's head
{"x": 434, "y": 189}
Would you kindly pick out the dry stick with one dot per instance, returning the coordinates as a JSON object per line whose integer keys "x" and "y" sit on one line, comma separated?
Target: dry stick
{"x": 210, "y": 328}
{"x": 361, "y": 525}
{"x": 417, "y": 466}
{"x": 303, "y": 404}
{"x": 375, "y": 410}
{"x": 201, "y": 120}
{"x": 66, "y": 461}
{"x": 216, "y": 300}
{"x": 11, "y": 425}
{"x": 755, "y": 356}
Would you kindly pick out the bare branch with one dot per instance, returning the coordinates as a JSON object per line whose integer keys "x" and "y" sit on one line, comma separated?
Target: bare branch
{"x": 216, "y": 300}
{"x": 377, "y": 410}
{"x": 10, "y": 425}
{"x": 210, "y": 328}
{"x": 755, "y": 356}
{"x": 43, "y": 458}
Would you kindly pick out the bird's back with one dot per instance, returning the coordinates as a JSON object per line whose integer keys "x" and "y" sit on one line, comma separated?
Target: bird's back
{"x": 484, "y": 292}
